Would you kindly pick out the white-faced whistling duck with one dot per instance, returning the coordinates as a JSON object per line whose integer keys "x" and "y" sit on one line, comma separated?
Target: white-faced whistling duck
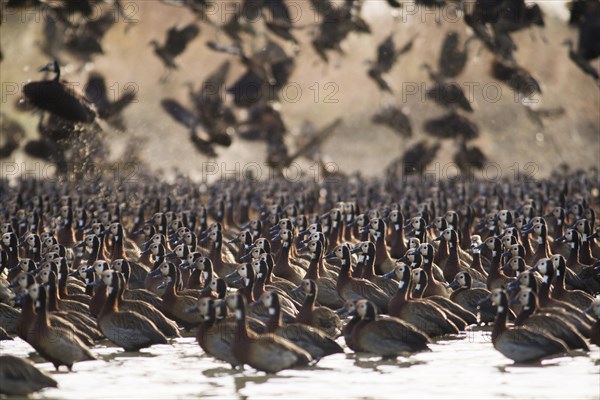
{"x": 387, "y": 337}
{"x": 266, "y": 353}
{"x": 175, "y": 304}
{"x": 425, "y": 316}
{"x": 19, "y": 377}
{"x": 59, "y": 346}
{"x": 126, "y": 329}
{"x": 327, "y": 294}
{"x": 521, "y": 344}
{"x": 321, "y": 317}
{"x": 352, "y": 289}
{"x": 366, "y": 252}
{"x": 311, "y": 339}
{"x": 550, "y": 324}
{"x": 215, "y": 337}
{"x": 449, "y": 306}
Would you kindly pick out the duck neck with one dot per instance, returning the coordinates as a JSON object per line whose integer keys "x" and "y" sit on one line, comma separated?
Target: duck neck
{"x": 544, "y": 291}
{"x": 274, "y": 320}
{"x": 241, "y": 332}
{"x": 112, "y": 302}
{"x": 585, "y": 250}
{"x": 118, "y": 248}
{"x": 401, "y": 295}
{"x": 283, "y": 261}
{"x": 453, "y": 261}
{"x": 476, "y": 263}
{"x": 194, "y": 279}
{"x": 53, "y": 298}
{"x": 369, "y": 267}
{"x": 573, "y": 258}
{"x": 313, "y": 267}
{"x": 559, "y": 283}
{"x": 499, "y": 323}
{"x": 398, "y": 240}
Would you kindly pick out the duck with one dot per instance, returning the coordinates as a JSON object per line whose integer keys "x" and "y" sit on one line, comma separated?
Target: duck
{"x": 577, "y": 298}
{"x": 221, "y": 267}
{"x": 383, "y": 262}
{"x": 327, "y": 294}
{"x": 552, "y": 324}
{"x": 422, "y": 257}
{"x": 425, "y": 316}
{"x": 398, "y": 243}
{"x": 57, "y": 345}
{"x": 477, "y": 262}
{"x": 386, "y": 337}
{"x": 174, "y": 304}
{"x": 165, "y": 325}
{"x": 215, "y": 337}
{"x": 283, "y": 267}
{"x": 578, "y": 319}
{"x": 350, "y": 288}
{"x": 19, "y": 377}
{"x": 496, "y": 277}
{"x": 267, "y": 353}
{"x": 366, "y": 251}
{"x": 126, "y": 329}
{"x": 261, "y": 271}
{"x": 469, "y": 297}
{"x": 595, "y": 329}
{"x": 521, "y": 344}
{"x": 450, "y": 307}
{"x": 453, "y": 264}
{"x": 321, "y": 317}
{"x": 124, "y": 267}
{"x": 311, "y": 339}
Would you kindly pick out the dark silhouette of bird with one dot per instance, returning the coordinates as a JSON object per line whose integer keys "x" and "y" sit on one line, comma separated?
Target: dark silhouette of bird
{"x": 58, "y": 98}
{"x": 537, "y": 116}
{"x": 109, "y": 110}
{"x": 446, "y": 94}
{"x": 515, "y": 76}
{"x": 468, "y": 157}
{"x": 279, "y": 20}
{"x": 452, "y": 60}
{"x": 312, "y": 141}
{"x": 267, "y": 71}
{"x": 175, "y": 44}
{"x": 451, "y": 126}
{"x": 337, "y": 22}
{"x": 387, "y": 55}
{"x": 416, "y": 158}
{"x": 394, "y": 118}
{"x": 588, "y": 45}
{"x": 84, "y": 40}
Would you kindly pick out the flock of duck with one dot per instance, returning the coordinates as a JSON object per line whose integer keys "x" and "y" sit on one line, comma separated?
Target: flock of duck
{"x": 278, "y": 275}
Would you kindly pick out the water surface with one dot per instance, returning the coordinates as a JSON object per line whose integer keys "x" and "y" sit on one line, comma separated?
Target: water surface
{"x": 463, "y": 367}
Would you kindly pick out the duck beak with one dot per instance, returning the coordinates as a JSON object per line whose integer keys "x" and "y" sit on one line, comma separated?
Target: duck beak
{"x": 145, "y": 252}
{"x": 560, "y": 239}
{"x": 514, "y": 300}
{"x": 192, "y": 309}
{"x": 232, "y": 240}
{"x": 205, "y": 239}
{"x": 506, "y": 253}
{"x": 171, "y": 255}
{"x": 389, "y": 275}
{"x": 246, "y": 256}
{"x": 16, "y": 267}
{"x": 79, "y": 245}
{"x": 73, "y": 273}
{"x": 355, "y": 250}
{"x": 505, "y": 268}
{"x": 407, "y": 225}
{"x": 97, "y": 282}
{"x": 276, "y": 238}
{"x": 437, "y": 239}
{"x": 138, "y": 232}
{"x": 155, "y": 274}
{"x": 255, "y": 303}
{"x": 233, "y": 275}
{"x": 302, "y": 249}
{"x": 184, "y": 265}
{"x": 351, "y": 224}
{"x": 342, "y": 312}
{"x": 161, "y": 286}
{"x": 453, "y": 285}
{"x": 513, "y": 285}
{"x": 481, "y": 246}
{"x": 329, "y": 256}
{"x": 297, "y": 289}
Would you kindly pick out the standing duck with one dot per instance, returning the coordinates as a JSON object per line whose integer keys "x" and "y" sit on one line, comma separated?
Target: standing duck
{"x": 520, "y": 344}
{"x": 19, "y": 377}
{"x": 595, "y": 330}
{"x": 449, "y": 306}
{"x": 59, "y": 346}
{"x": 578, "y": 298}
{"x": 387, "y": 337}
{"x": 425, "y": 316}
{"x": 126, "y": 329}
{"x": 313, "y": 340}
{"x": 266, "y": 353}
{"x": 552, "y": 324}
{"x": 351, "y": 289}
{"x": 469, "y": 298}
{"x": 327, "y": 294}
{"x": 366, "y": 250}
{"x": 323, "y": 318}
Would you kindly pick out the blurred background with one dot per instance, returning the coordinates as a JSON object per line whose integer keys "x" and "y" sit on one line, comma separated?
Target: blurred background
{"x": 566, "y": 130}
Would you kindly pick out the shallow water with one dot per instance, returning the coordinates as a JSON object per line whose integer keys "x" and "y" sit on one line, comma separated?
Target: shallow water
{"x": 464, "y": 367}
